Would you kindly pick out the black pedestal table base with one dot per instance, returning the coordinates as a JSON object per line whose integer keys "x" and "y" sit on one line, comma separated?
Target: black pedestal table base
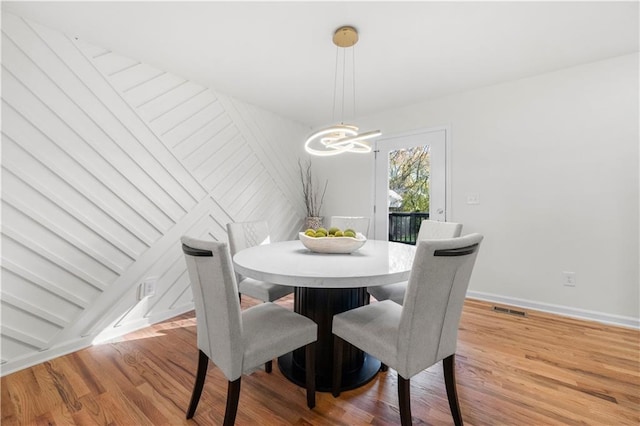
{"x": 321, "y": 304}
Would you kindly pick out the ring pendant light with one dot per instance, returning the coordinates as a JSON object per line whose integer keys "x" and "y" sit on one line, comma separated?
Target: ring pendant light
{"x": 340, "y": 138}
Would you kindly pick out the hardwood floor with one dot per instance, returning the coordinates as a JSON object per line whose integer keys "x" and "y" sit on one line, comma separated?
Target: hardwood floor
{"x": 538, "y": 370}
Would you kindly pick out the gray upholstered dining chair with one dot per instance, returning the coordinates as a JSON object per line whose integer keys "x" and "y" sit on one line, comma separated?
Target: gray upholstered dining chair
{"x": 243, "y": 235}
{"x": 239, "y": 341}
{"x": 412, "y": 337}
{"x": 429, "y": 230}
{"x": 357, "y": 223}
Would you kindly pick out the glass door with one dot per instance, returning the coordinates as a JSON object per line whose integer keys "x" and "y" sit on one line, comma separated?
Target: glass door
{"x": 410, "y": 183}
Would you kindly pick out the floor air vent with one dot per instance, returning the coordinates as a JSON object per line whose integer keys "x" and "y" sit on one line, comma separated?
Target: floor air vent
{"x": 509, "y": 311}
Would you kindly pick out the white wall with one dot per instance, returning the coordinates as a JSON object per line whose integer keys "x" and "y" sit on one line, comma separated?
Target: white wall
{"x": 554, "y": 159}
{"x": 106, "y": 162}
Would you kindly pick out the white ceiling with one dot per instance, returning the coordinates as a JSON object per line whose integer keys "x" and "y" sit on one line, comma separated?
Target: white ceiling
{"x": 279, "y": 55}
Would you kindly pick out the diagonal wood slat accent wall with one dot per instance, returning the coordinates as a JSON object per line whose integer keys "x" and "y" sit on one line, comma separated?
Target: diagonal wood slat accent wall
{"x": 106, "y": 162}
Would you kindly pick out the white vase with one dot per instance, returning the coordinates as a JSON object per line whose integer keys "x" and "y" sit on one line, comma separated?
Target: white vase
{"x": 313, "y": 222}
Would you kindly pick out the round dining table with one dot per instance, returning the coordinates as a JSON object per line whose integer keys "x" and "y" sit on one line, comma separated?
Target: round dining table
{"x": 327, "y": 284}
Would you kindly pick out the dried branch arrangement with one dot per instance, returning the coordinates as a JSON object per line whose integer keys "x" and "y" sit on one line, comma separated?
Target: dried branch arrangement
{"x": 312, "y": 198}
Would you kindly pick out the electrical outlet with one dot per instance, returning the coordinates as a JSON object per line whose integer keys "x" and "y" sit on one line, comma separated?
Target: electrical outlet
{"x": 568, "y": 279}
{"x": 147, "y": 288}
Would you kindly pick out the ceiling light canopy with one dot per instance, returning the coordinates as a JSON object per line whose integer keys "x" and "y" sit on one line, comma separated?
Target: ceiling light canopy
{"x": 340, "y": 138}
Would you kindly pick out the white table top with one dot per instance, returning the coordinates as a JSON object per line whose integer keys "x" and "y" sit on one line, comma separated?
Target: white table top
{"x": 290, "y": 263}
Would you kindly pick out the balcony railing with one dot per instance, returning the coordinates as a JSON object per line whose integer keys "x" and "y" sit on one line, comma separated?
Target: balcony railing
{"x": 404, "y": 227}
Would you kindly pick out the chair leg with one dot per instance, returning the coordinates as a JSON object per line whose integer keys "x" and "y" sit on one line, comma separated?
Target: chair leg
{"x": 310, "y": 367}
{"x": 203, "y": 363}
{"x": 404, "y": 400}
{"x": 449, "y": 368}
{"x": 233, "y": 395}
{"x": 337, "y": 365}
{"x": 268, "y": 366}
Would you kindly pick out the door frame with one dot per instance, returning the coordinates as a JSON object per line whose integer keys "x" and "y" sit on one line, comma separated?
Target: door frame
{"x": 380, "y": 231}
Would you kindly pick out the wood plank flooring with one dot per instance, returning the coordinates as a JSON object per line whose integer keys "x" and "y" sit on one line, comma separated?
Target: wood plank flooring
{"x": 538, "y": 370}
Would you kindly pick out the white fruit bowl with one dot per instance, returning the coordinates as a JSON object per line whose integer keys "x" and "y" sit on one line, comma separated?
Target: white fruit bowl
{"x": 333, "y": 244}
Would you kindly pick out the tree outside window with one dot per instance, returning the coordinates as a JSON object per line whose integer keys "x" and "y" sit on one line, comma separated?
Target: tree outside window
{"x": 409, "y": 177}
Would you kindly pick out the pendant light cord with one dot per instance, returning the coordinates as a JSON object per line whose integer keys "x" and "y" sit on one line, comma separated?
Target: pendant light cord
{"x": 344, "y": 78}
{"x": 353, "y": 70}
{"x": 335, "y": 88}
{"x": 344, "y": 60}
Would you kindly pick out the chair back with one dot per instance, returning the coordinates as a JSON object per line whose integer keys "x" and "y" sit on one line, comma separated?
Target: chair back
{"x": 243, "y": 235}
{"x": 215, "y": 295}
{"x": 434, "y": 230}
{"x": 433, "y": 301}
{"x": 357, "y": 223}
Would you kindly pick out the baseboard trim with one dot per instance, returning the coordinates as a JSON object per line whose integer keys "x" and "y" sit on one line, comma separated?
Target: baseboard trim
{"x": 85, "y": 342}
{"x": 44, "y": 355}
{"x": 601, "y": 317}
{"x": 115, "y": 332}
